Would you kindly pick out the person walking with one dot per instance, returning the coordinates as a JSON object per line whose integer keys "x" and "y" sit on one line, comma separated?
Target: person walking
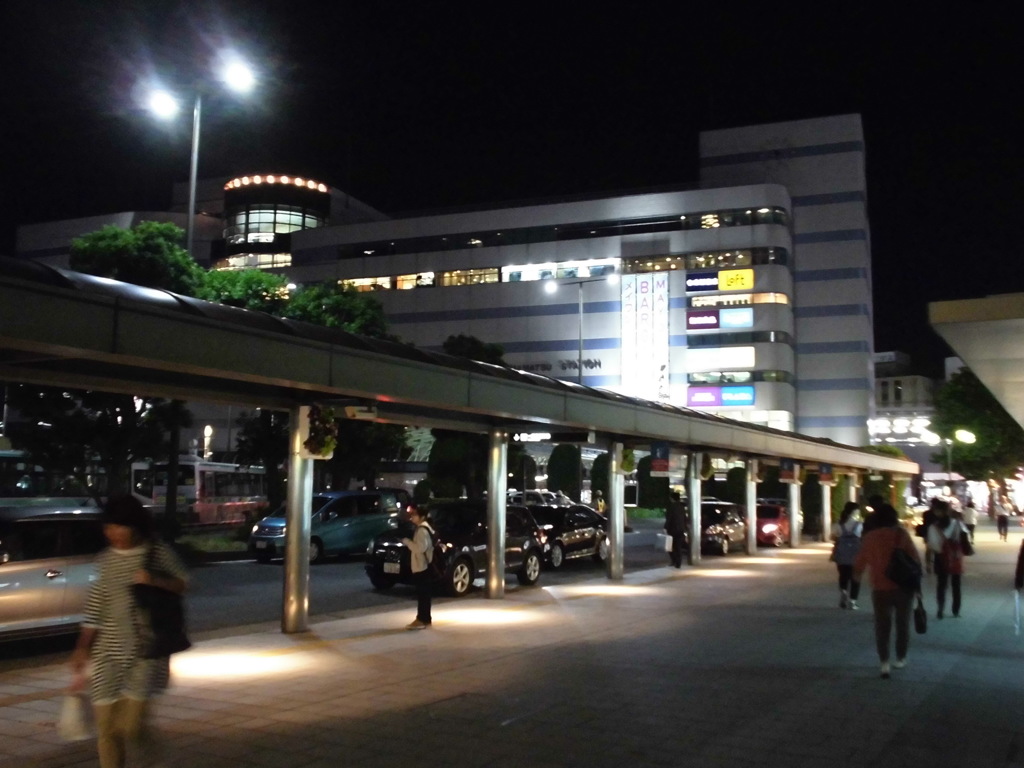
{"x": 846, "y": 534}
{"x": 947, "y": 557}
{"x": 599, "y": 502}
{"x": 421, "y": 549}
{"x": 122, "y": 682}
{"x": 1002, "y": 509}
{"x": 970, "y": 518}
{"x": 675, "y": 526}
{"x": 876, "y": 549}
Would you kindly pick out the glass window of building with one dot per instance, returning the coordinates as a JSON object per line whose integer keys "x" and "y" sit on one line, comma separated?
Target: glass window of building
{"x": 470, "y": 276}
{"x": 367, "y": 283}
{"x": 418, "y": 280}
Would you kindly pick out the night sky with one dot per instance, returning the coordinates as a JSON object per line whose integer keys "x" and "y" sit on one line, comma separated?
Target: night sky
{"x": 419, "y": 106}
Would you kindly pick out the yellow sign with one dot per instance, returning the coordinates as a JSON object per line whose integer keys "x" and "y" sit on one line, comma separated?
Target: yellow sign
{"x": 736, "y": 280}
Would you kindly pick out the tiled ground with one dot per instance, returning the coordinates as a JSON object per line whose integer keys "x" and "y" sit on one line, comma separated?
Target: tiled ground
{"x": 742, "y": 662}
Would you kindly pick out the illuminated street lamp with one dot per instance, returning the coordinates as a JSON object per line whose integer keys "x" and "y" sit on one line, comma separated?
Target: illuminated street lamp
{"x": 236, "y": 76}
{"x": 551, "y": 286}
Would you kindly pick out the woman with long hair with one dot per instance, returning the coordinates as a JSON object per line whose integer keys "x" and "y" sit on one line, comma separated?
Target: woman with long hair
{"x": 846, "y": 534}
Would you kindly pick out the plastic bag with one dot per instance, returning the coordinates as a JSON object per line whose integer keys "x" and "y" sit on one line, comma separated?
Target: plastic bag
{"x": 75, "y": 722}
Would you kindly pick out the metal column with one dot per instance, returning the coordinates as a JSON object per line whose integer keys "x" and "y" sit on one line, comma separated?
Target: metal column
{"x": 497, "y": 495}
{"x": 794, "y": 513}
{"x": 826, "y": 512}
{"x": 616, "y": 513}
{"x": 295, "y": 613}
{"x": 752, "y": 506}
{"x": 693, "y": 491}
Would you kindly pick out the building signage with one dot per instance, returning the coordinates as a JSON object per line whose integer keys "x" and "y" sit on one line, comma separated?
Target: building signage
{"x": 703, "y": 397}
{"x": 736, "y": 280}
{"x": 737, "y": 395}
{"x": 645, "y": 352}
{"x": 659, "y": 458}
{"x": 736, "y": 318}
{"x": 701, "y": 319}
{"x": 825, "y": 476}
{"x": 787, "y": 471}
{"x": 702, "y": 281}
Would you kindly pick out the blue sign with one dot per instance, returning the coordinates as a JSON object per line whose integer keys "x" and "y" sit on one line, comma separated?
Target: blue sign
{"x": 737, "y": 396}
{"x": 736, "y": 318}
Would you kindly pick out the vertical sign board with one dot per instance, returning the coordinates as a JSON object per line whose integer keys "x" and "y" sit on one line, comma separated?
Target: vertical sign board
{"x": 787, "y": 471}
{"x": 659, "y": 458}
{"x": 645, "y": 335}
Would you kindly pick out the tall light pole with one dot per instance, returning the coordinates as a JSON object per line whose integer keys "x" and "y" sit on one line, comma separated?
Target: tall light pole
{"x": 236, "y": 76}
{"x": 551, "y": 286}
{"x": 960, "y": 436}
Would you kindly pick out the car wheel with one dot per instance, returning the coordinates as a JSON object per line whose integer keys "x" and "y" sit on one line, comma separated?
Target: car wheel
{"x": 723, "y": 548}
{"x": 601, "y": 554}
{"x": 529, "y": 573}
{"x": 557, "y": 555}
{"x": 381, "y": 582}
{"x": 460, "y": 579}
{"x": 316, "y": 551}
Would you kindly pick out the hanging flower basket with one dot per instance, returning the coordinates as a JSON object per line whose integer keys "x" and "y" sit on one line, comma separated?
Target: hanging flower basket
{"x": 628, "y": 461}
{"x": 323, "y": 432}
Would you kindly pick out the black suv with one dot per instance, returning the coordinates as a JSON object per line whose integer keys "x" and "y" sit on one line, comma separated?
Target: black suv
{"x": 460, "y": 533}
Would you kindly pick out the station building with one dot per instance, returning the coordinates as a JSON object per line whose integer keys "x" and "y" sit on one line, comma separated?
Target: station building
{"x": 746, "y": 295}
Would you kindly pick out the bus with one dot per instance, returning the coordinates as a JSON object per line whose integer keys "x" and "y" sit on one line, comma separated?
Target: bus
{"x": 209, "y": 492}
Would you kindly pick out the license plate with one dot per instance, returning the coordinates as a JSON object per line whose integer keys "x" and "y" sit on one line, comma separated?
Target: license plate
{"x": 261, "y": 545}
{"x": 392, "y": 567}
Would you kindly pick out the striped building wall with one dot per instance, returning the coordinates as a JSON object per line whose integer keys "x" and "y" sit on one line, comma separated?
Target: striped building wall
{"x": 821, "y": 163}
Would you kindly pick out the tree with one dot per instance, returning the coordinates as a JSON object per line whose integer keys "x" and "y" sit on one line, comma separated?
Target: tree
{"x": 246, "y": 288}
{"x": 565, "y": 470}
{"x": 599, "y": 475}
{"x": 458, "y": 460}
{"x": 652, "y": 492}
{"x": 964, "y": 402}
{"x": 263, "y": 440}
{"x": 336, "y": 306}
{"x": 149, "y": 254}
{"x": 362, "y": 446}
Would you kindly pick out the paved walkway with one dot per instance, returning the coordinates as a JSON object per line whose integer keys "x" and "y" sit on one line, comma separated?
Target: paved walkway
{"x": 743, "y": 662}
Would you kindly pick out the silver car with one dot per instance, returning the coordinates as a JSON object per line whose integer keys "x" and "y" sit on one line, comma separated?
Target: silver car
{"x": 46, "y": 566}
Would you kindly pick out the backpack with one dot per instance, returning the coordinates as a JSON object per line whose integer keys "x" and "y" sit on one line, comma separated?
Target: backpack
{"x": 847, "y": 547}
{"x": 435, "y": 557}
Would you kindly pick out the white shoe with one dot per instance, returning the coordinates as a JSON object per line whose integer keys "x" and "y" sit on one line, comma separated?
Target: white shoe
{"x": 853, "y": 606}
{"x": 899, "y": 664}
{"x": 885, "y": 670}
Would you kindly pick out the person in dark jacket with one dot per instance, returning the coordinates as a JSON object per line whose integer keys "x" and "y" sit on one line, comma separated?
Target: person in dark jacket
{"x": 675, "y": 526}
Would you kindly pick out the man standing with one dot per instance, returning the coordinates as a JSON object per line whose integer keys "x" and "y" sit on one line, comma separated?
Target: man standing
{"x": 675, "y": 526}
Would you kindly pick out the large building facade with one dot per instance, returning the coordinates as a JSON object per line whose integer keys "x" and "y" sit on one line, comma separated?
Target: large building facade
{"x": 748, "y": 295}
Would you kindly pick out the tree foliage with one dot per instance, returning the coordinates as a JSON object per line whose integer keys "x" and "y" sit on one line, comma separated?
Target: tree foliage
{"x": 599, "y": 475}
{"x": 246, "y": 288}
{"x": 565, "y": 470}
{"x": 652, "y": 492}
{"x": 336, "y": 306}
{"x": 472, "y": 348}
{"x": 964, "y": 402}
{"x": 149, "y": 254}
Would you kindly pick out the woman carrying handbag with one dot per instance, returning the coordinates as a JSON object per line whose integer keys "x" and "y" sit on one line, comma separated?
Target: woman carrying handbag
{"x": 888, "y": 597}
{"x": 945, "y": 547}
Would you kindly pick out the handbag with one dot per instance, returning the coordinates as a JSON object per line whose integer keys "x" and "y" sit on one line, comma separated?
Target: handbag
{"x": 920, "y": 617}
{"x": 904, "y": 570}
{"x": 965, "y": 543}
{"x": 75, "y": 722}
{"x": 668, "y": 542}
{"x": 164, "y": 617}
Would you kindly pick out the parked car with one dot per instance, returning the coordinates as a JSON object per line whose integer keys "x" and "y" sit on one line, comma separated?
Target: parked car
{"x": 723, "y": 526}
{"x": 531, "y": 498}
{"x": 343, "y": 523}
{"x": 572, "y": 532}
{"x": 46, "y": 566}
{"x": 460, "y": 534}
{"x": 772, "y": 525}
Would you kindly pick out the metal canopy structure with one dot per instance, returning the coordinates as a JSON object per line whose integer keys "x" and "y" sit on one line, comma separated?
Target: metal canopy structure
{"x": 69, "y": 329}
{"x": 988, "y": 335}
{"x": 72, "y": 330}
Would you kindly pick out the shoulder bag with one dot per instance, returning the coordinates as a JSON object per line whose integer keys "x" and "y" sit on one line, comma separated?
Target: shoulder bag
{"x": 164, "y": 613}
{"x": 903, "y": 569}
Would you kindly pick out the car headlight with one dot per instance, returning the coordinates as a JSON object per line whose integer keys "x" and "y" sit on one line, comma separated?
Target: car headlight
{"x": 770, "y": 527}
{"x": 256, "y": 528}
{"x": 369, "y": 547}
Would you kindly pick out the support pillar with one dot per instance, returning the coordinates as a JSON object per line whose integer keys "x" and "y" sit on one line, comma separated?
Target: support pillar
{"x": 616, "y": 514}
{"x": 752, "y": 469}
{"x": 826, "y": 512}
{"x": 854, "y": 486}
{"x": 497, "y": 495}
{"x": 794, "y": 513}
{"x": 693, "y": 492}
{"x": 295, "y": 610}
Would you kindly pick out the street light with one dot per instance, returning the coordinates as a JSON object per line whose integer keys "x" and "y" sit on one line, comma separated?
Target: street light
{"x": 237, "y": 76}
{"x": 551, "y": 286}
{"x": 960, "y": 436}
